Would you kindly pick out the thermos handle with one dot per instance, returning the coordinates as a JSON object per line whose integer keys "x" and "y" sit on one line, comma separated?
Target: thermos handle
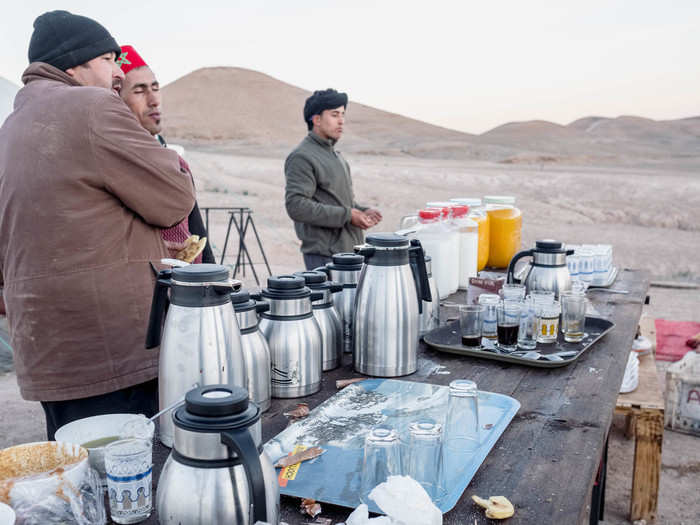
{"x": 159, "y": 306}
{"x": 570, "y": 252}
{"x": 315, "y": 296}
{"x": 257, "y": 296}
{"x": 336, "y": 287}
{"x": 510, "y": 278}
{"x": 241, "y": 442}
{"x": 261, "y": 306}
{"x": 422, "y": 283}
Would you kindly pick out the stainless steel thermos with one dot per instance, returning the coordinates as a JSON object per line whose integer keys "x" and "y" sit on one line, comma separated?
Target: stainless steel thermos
{"x": 199, "y": 340}
{"x": 293, "y": 336}
{"x": 387, "y": 305}
{"x": 256, "y": 352}
{"x": 547, "y": 271}
{"x": 216, "y": 473}
{"x": 344, "y": 269}
{"x": 326, "y": 317}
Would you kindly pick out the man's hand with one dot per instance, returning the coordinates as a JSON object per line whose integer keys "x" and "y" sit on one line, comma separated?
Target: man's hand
{"x": 374, "y": 214}
{"x": 360, "y": 219}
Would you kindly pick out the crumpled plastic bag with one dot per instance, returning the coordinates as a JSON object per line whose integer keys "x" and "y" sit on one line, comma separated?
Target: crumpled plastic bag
{"x": 403, "y": 500}
{"x": 81, "y": 505}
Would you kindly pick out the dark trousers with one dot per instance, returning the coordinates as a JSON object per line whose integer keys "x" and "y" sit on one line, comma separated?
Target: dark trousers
{"x": 314, "y": 260}
{"x": 137, "y": 399}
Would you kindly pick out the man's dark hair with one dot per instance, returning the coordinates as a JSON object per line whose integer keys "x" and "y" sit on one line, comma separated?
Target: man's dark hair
{"x": 321, "y": 101}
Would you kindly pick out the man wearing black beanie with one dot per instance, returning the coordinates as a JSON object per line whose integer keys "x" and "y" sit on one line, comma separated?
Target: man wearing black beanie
{"x": 318, "y": 194}
{"x": 84, "y": 192}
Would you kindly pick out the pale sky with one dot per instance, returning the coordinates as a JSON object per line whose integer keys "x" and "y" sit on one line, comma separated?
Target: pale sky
{"x": 468, "y": 65}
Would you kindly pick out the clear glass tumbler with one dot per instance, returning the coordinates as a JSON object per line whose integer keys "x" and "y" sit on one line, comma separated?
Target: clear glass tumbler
{"x": 573, "y": 316}
{"x": 513, "y": 292}
{"x": 462, "y": 437}
{"x": 488, "y": 327}
{"x": 425, "y": 456}
{"x": 527, "y": 333}
{"x": 547, "y": 322}
{"x": 471, "y": 317}
{"x": 508, "y": 325}
{"x": 382, "y": 459}
{"x": 129, "y": 467}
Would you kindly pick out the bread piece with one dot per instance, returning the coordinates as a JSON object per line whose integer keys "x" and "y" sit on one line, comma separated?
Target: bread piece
{"x": 193, "y": 247}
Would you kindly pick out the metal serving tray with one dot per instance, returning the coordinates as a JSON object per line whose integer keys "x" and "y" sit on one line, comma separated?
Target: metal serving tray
{"x": 447, "y": 339}
{"x": 341, "y": 423}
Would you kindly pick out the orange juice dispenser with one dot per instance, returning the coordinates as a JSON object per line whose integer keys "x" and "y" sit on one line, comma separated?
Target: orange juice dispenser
{"x": 505, "y": 227}
{"x": 477, "y": 213}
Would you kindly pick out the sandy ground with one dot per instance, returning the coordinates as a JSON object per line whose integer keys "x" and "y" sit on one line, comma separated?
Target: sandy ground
{"x": 648, "y": 215}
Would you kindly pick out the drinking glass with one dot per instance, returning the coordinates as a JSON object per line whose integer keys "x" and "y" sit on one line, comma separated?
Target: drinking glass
{"x": 527, "y": 332}
{"x": 547, "y": 322}
{"x": 449, "y": 312}
{"x": 471, "y": 317}
{"x": 129, "y": 472}
{"x": 508, "y": 325}
{"x": 585, "y": 265}
{"x": 542, "y": 297}
{"x": 513, "y": 292}
{"x": 490, "y": 302}
{"x": 573, "y": 316}
{"x": 461, "y": 429}
{"x": 382, "y": 459}
{"x": 425, "y": 456}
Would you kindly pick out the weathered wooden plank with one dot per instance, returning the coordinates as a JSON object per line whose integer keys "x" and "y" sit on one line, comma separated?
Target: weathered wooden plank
{"x": 647, "y": 465}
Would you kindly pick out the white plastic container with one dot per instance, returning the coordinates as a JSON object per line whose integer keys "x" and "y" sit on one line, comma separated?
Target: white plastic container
{"x": 468, "y": 244}
{"x": 442, "y": 244}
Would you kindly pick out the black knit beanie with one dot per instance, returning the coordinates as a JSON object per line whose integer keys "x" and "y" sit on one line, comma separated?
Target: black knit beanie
{"x": 321, "y": 101}
{"x": 65, "y": 40}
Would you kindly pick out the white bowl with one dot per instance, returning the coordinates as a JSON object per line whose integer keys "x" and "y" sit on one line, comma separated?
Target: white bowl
{"x": 7, "y": 515}
{"x": 97, "y": 427}
{"x": 45, "y": 477}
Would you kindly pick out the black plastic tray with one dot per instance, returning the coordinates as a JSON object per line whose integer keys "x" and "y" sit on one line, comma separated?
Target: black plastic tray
{"x": 447, "y": 339}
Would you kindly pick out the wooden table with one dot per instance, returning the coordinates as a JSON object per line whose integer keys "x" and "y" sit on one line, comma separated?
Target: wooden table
{"x": 644, "y": 409}
{"x": 547, "y": 459}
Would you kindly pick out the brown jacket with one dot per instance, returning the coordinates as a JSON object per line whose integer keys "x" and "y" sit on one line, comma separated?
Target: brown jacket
{"x": 84, "y": 191}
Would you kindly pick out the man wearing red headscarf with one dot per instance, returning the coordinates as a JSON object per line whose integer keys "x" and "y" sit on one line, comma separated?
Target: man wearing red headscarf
{"x": 140, "y": 91}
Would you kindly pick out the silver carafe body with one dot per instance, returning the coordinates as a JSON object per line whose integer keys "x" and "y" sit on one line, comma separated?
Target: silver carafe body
{"x": 430, "y": 316}
{"x": 345, "y": 269}
{"x": 200, "y": 342}
{"x": 256, "y": 353}
{"x": 387, "y": 306}
{"x": 216, "y": 472}
{"x": 327, "y": 317}
{"x": 293, "y": 336}
{"x": 547, "y": 270}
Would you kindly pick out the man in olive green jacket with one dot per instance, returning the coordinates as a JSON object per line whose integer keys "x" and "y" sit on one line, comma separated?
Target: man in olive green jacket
{"x": 318, "y": 194}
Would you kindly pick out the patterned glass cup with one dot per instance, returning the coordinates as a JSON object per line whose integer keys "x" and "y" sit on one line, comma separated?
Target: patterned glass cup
{"x": 129, "y": 467}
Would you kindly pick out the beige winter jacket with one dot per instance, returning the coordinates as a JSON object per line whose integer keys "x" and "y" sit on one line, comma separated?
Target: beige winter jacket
{"x": 84, "y": 190}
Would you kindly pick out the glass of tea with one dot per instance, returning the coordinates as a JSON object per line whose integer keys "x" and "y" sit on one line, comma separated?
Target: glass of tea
{"x": 573, "y": 316}
{"x": 508, "y": 318}
{"x": 471, "y": 317}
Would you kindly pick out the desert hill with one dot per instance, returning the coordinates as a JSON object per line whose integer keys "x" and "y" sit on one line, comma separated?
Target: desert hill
{"x": 244, "y": 107}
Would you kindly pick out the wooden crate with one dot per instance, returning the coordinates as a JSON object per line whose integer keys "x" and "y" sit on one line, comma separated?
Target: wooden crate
{"x": 644, "y": 409}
